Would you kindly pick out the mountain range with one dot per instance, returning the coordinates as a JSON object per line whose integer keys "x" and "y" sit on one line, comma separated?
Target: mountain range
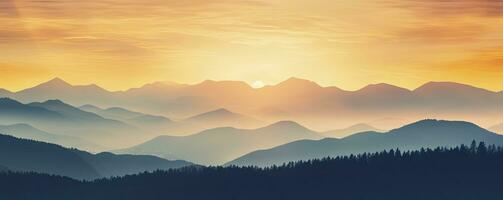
{"x": 28, "y": 155}
{"x": 29, "y": 132}
{"x": 422, "y": 134}
{"x": 294, "y": 99}
{"x": 55, "y": 116}
{"x": 220, "y": 145}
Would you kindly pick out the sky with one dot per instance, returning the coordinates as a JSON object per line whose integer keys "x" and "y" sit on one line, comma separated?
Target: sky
{"x": 119, "y": 44}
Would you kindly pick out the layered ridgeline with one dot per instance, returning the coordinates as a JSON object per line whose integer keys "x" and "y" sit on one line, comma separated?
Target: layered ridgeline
{"x": 422, "y": 134}
{"x": 357, "y": 128}
{"x": 465, "y": 172}
{"x": 29, "y": 132}
{"x": 57, "y": 117}
{"x": 294, "y": 99}
{"x": 152, "y": 123}
{"x": 220, "y": 145}
{"x": 223, "y": 118}
{"x": 28, "y": 155}
{"x": 161, "y": 125}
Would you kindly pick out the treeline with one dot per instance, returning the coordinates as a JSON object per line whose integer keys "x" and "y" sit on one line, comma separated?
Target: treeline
{"x": 464, "y": 172}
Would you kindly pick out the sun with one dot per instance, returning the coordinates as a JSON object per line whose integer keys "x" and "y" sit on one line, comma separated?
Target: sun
{"x": 258, "y": 84}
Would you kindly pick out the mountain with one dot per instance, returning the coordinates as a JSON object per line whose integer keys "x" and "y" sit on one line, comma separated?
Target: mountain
{"x": 357, "y": 128}
{"x": 454, "y": 96}
{"x": 59, "y": 89}
{"x": 422, "y": 134}
{"x": 293, "y": 99}
{"x": 223, "y": 117}
{"x": 29, "y": 155}
{"x": 156, "y": 125}
{"x": 112, "y": 112}
{"x": 57, "y": 117}
{"x": 109, "y": 164}
{"x": 29, "y": 132}
{"x": 5, "y": 93}
{"x": 220, "y": 145}
{"x": 462, "y": 172}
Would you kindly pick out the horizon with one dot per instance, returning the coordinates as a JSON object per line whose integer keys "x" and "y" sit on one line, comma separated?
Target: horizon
{"x": 120, "y": 45}
{"x": 251, "y": 85}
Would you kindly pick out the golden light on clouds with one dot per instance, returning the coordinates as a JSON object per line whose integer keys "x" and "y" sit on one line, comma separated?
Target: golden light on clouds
{"x": 126, "y": 43}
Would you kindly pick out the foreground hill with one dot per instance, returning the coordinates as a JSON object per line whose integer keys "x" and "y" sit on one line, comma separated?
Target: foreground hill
{"x": 28, "y": 155}
{"x": 442, "y": 174}
{"x": 422, "y": 134}
{"x": 220, "y": 145}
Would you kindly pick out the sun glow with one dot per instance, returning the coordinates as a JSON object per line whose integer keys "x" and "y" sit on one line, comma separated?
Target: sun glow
{"x": 258, "y": 84}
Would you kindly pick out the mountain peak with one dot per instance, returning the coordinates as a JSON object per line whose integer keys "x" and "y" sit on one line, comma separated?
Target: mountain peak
{"x": 221, "y": 111}
{"x": 212, "y": 83}
{"x": 286, "y": 125}
{"x": 382, "y": 88}
{"x": 54, "y": 102}
{"x": 218, "y": 113}
{"x": 56, "y": 82}
{"x": 89, "y": 106}
{"x": 298, "y": 82}
{"x": 434, "y": 126}
{"x": 435, "y": 87}
{"x": 9, "y": 101}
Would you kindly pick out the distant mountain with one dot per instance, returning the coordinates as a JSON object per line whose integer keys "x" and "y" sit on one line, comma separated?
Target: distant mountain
{"x": 220, "y": 145}
{"x": 112, "y": 112}
{"x": 422, "y": 134}
{"x": 29, "y": 132}
{"x": 156, "y": 125}
{"x": 5, "y": 93}
{"x": 293, "y": 99}
{"x": 223, "y": 117}
{"x": 57, "y": 117}
{"x": 357, "y": 128}
{"x": 59, "y": 89}
{"x": 29, "y": 155}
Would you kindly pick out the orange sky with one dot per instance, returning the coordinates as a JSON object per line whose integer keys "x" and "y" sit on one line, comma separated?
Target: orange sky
{"x": 120, "y": 44}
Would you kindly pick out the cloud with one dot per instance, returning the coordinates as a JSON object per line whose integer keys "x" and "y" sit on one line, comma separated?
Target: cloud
{"x": 8, "y": 8}
{"x": 486, "y": 8}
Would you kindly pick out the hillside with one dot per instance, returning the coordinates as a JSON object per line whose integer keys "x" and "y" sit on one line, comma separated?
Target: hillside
{"x": 422, "y": 134}
{"x": 57, "y": 117}
{"x": 28, "y": 155}
{"x": 220, "y": 145}
{"x": 445, "y": 174}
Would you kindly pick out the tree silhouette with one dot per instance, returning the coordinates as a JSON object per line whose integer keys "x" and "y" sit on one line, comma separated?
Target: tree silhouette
{"x": 442, "y": 173}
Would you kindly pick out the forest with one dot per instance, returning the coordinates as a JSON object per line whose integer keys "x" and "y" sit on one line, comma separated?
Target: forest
{"x": 463, "y": 172}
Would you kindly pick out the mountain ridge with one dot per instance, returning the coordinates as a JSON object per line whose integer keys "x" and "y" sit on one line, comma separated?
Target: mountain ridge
{"x": 422, "y": 134}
